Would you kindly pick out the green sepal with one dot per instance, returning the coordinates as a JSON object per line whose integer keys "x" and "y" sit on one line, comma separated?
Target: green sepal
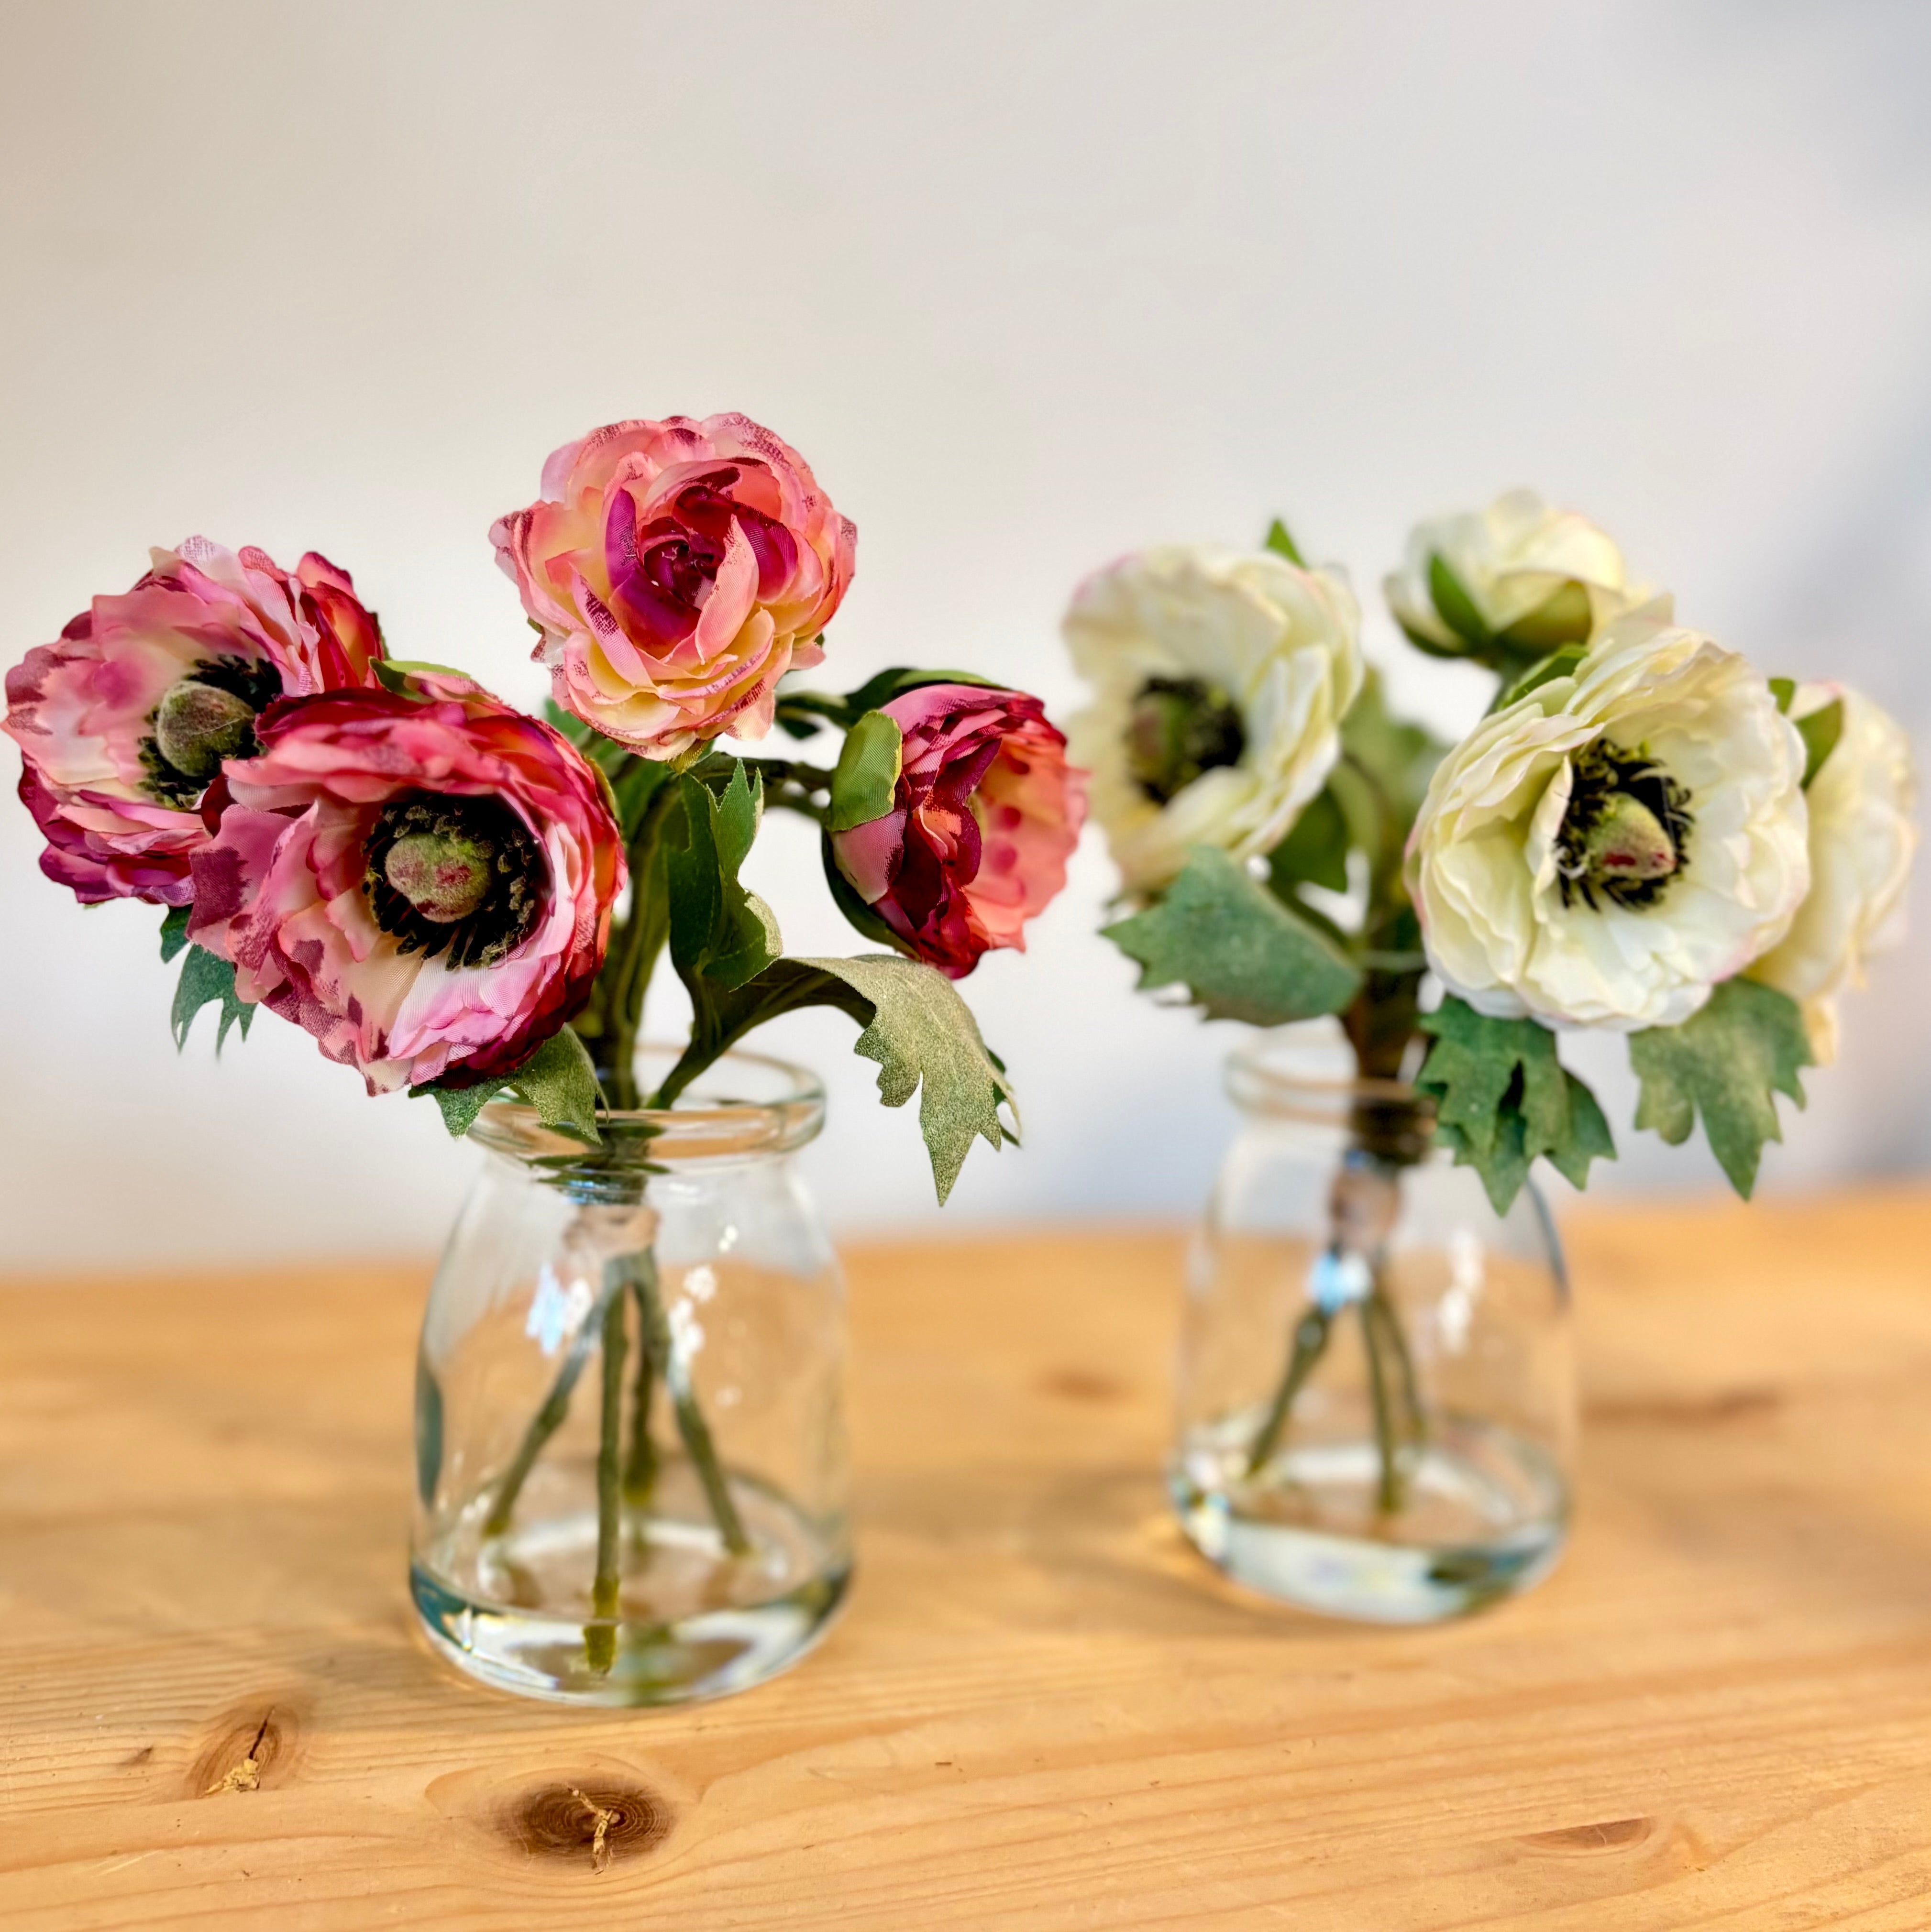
{"x": 888, "y": 685}
{"x": 397, "y": 675}
{"x": 1433, "y": 646}
{"x": 1560, "y": 663}
{"x": 1726, "y": 1062}
{"x": 1503, "y": 1097}
{"x": 920, "y": 1033}
{"x": 205, "y": 979}
{"x": 1820, "y": 730}
{"x": 860, "y": 916}
{"x": 1240, "y": 952}
{"x": 1566, "y": 617}
{"x": 174, "y": 932}
{"x": 1282, "y": 544}
{"x": 721, "y": 933}
{"x": 866, "y": 782}
{"x": 1455, "y": 607}
{"x": 558, "y": 1080}
{"x": 1314, "y": 852}
{"x": 1783, "y": 689}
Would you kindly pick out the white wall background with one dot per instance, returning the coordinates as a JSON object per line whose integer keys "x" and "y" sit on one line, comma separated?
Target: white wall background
{"x": 1030, "y": 285}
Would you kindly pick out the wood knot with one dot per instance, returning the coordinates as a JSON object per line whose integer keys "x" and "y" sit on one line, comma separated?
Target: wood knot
{"x": 250, "y": 1744}
{"x": 1613, "y": 1835}
{"x": 600, "y": 1821}
{"x": 1079, "y": 1385}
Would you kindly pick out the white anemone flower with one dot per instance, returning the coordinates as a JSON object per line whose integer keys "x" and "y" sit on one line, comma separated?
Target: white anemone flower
{"x": 1862, "y": 841}
{"x": 1538, "y": 576}
{"x": 1219, "y": 680}
{"x": 1603, "y": 851}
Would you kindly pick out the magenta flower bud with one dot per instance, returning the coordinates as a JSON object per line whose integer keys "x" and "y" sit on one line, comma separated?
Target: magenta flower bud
{"x": 985, "y": 814}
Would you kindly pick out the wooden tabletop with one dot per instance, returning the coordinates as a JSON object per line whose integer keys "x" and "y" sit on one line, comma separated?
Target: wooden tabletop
{"x": 1041, "y": 1711}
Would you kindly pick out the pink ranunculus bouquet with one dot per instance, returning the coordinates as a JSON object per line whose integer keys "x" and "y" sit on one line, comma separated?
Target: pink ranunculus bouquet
{"x": 462, "y": 901}
{"x": 124, "y": 719}
{"x": 676, "y": 571}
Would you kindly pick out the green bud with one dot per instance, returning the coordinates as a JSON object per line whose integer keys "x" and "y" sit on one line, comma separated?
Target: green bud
{"x": 444, "y": 875}
{"x": 197, "y": 725}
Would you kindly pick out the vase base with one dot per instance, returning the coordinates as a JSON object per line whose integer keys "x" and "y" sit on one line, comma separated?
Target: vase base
{"x": 1483, "y": 1517}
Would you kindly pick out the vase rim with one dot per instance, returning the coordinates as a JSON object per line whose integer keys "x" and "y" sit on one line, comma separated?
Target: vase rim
{"x": 743, "y": 1104}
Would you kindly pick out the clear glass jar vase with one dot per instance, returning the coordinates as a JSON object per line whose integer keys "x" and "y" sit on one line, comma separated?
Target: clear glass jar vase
{"x": 1376, "y": 1397}
{"x": 631, "y": 1459}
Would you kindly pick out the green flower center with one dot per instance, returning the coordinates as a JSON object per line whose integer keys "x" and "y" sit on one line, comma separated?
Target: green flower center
{"x": 1625, "y": 835}
{"x": 204, "y": 717}
{"x": 1179, "y": 728}
{"x": 449, "y": 873}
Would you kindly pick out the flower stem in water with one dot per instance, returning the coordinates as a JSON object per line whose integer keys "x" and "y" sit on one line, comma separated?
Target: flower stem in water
{"x": 1405, "y": 1364}
{"x": 1387, "y": 1497}
{"x": 1310, "y": 1339}
{"x": 640, "y": 1468}
{"x": 543, "y": 1425}
{"x": 600, "y": 1637}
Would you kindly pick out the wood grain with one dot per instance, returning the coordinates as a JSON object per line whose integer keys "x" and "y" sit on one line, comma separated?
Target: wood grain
{"x": 1041, "y": 1712}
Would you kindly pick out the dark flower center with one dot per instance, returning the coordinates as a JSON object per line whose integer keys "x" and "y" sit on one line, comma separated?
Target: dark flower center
{"x": 445, "y": 873}
{"x": 1626, "y": 832}
{"x": 1179, "y": 728}
{"x": 203, "y": 717}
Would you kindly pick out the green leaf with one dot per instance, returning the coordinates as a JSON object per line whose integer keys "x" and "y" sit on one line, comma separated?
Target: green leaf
{"x": 1558, "y": 663}
{"x": 867, "y": 780}
{"x": 888, "y": 685}
{"x": 1564, "y": 617}
{"x": 1315, "y": 850}
{"x": 174, "y": 932}
{"x": 205, "y": 979}
{"x": 398, "y": 675}
{"x": 721, "y": 933}
{"x": 558, "y": 1081}
{"x": 1502, "y": 1097}
{"x": 1282, "y": 544}
{"x": 1820, "y": 730}
{"x": 1726, "y": 1062}
{"x": 1783, "y": 689}
{"x": 1240, "y": 952}
{"x": 460, "y": 1105}
{"x": 916, "y": 1026}
{"x": 1433, "y": 646}
{"x": 926, "y": 1041}
{"x": 1454, "y": 606}
{"x": 1398, "y": 757}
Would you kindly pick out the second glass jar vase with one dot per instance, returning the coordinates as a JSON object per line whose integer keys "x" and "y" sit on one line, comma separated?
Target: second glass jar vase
{"x": 630, "y": 1431}
{"x": 1376, "y": 1403}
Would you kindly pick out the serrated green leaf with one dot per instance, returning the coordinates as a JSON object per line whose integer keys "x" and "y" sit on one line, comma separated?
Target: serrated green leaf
{"x": 1282, "y": 544}
{"x": 1241, "y": 954}
{"x": 1820, "y": 730}
{"x": 206, "y": 978}
{"x": 173, "y": 932}
{"x": 721, "y": 933}
{"x": 560, "y": 1082}
{"x": 1503, "y": 1097}
{"x": 460, "y": 1105}
{"x": 1564, "y": 617}
{"x": 1726, "y": 1062}
{"x": 1558, "y": 663}
{"x": 867, "y": 780}
{"x": 1315, "y": 850}
{"x": 1455, "y": 607}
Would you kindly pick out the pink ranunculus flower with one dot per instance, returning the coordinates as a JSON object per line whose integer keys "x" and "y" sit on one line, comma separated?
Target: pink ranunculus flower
{"x": 677, "y": 570}
{"x": 424, "y": 882}
{"x": 986, "y": 815}
{"x": 123, "y": 722}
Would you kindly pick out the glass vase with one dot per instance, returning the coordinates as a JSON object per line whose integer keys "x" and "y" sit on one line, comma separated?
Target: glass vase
{"x": 631, "y": 1460}
{"x": 1377, "y": 1397}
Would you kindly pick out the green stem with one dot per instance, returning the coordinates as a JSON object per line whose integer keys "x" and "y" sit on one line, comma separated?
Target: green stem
{"x": 1388, "y": 1489}
{"x": 640, "y": 1470}
{"x": 692, "y": 1426}
{"x": 1310, "y": 1341}
{"x": 1405, "y": 1364}
{"x": 640, "y": 941}
{"x": 543, "y": 1425}
{"x": 600, "y": 1635}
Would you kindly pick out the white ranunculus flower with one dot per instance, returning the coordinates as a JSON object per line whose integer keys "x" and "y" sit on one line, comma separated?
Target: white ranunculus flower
{"x": 1862, "y": 839}
{"x": 1604, "y": 850}
{"x": 1512, "y": 559}
{"x": 1219, "y": 680}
